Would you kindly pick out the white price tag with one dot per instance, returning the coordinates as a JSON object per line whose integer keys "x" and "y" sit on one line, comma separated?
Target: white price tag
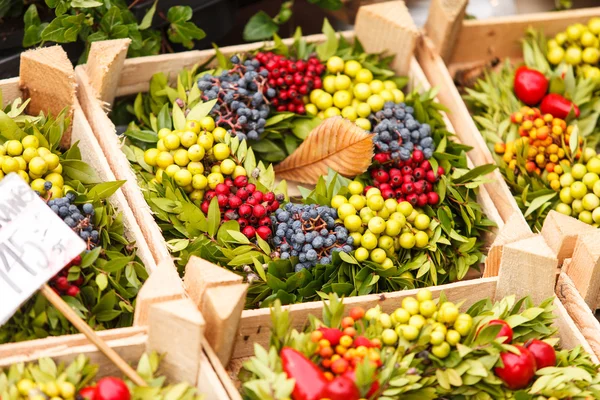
{"x": 35, "y": 244}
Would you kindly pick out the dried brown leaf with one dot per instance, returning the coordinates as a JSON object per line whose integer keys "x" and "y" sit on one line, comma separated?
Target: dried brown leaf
{"x": 337, "y": 144}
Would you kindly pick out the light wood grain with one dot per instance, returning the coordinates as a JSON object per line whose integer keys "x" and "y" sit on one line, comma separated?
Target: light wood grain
{"x": 176, "y": 328}
{"x": 388, "y": 27}
{"x": 584, "y": 268}
{"x": 500, "y": 37}
{"x": 84, "y": 328}
{"x": 561, "y": 232}
{"x": 223, "y": 376}
{"x": 579, "y": 311}
{"x": 527, "y": 268}
{"x": 47, "y": 78}
{"x": 515, "y": 229}
{"x": 105, "y": 62}
{"x": 10, "y": 90}
{"x": 444, "y": 23}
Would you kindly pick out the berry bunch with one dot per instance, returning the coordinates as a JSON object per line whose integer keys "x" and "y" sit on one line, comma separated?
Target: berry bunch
{"x": 241, "y": 108}
{"x": 580, "y": 191}
{"x": 567, "y": 46}
{"x": 543, "y": 136}
{"x": 349, "y": 90}
{"x": 379, "y": 227}
{"x": 411, "y": 180}
{"x": 310, "y": 233}
{"x": 290, "y": 80}
{"x": 35, "y": 164}
{"x": 78, "y": 218}
{"x": 192, "y": 158}
{"x": 397, "y": 133}
{"x": 242, "y": 202}
{"x": 60, "y": 282}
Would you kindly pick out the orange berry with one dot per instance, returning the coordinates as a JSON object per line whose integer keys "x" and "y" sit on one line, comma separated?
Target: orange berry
{"x": 374, "y": 356}
{"x": 326, "y": 352}
{"x": 339, "y": 366}
{"x": 315, "y": 336}
{"x": 561, "y": 153}
{"x": 328, "y": 376}
{"x": 548, "y": 117}
{"x": 357, "y": 313}
{"x": 550, "y": 167}
{"x": 557, "y": 130}
{"x": 540, "y": 160}
{"x": 512, "y": 164}
{"x": 335, "y": 357}
{"x": 347, "y": 321}
{"x": 499, "y": 148}
{"x": 349, "y": 355}
{"x": 362, "y": 351}
{"x": 542, "y": 133}
{"x": 530, "y": 166}
{"x": 539, "y": 122}
{"x": 339, "y": 349}
{"x": 527, "y": 125}
{"x": 558, "y": 170}
{"x": 346, "y": 341}
{"x": 376, "y": 343}
{"x": 324, "y": 343}
{"x": 553, "y": 158}
{"x": 350, "y": 331}
{"x": 517, "y": 117}
{"x": 326, "y": 363}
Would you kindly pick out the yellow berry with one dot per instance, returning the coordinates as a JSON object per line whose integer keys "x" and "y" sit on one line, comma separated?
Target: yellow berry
{"x": 150, "y": 157}
{"x": 221, "y": 151}
{"x": 181, "y": 157}
{"x": 228, "y": 166}
{"x": 30, "y": 141}
{"x": 164, "y": 159}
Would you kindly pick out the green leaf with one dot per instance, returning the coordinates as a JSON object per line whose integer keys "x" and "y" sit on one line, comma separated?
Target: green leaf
{"x": 104, "y": 190}
{"x": 303, "y": 127}
{"x": 260, "y": 27}
{"x": 181, "y": 30}
{"x": 9, "y": 129}
{"x": 328, "y": 48}
{"x": 147, "y": 20}
{"x": 327, "y": 4}
{"x": 214, "y": 217}
{"x": 238, "y": 237}
{"x": 80, "y": 171}
{"x": 164, "y": 118}
{"x": 101, "y": 281}
{"x": 85, "y": 3}
{"x": 145, "y": 136}
{"x": 201, "y": 110}
{"x": 178, "y": 117}
{"x": 538, "y": 202}
{"x": 31, "y": 16}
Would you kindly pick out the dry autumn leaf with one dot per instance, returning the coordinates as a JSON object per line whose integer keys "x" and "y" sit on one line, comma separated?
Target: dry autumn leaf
{"x": 337, "y": 144}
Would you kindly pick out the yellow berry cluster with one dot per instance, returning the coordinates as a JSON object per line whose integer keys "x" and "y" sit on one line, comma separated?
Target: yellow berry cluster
{"x": 52, "y": 390}
{"x": 380, "y": 227}
{"x": 36, "y": 164}
{"x": 349, "y": 90}
{"x": 195, "y": 157}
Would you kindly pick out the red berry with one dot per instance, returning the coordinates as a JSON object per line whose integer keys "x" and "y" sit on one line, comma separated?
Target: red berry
{"x": 382, "y": 158}
{"x": 406, "y": 170}
{"x": 204, "y": 207}
{"x": 422, "y": 200}
{"x": 245, "y": 210}
{"x": 382, "y": 176}
{"x": 441, "y": 171}
{"x": 249, "y": 232}
{"x": 76, "y": 260}
{"x": 208, "y": 196}
{"x": 396, "y": 180}
{"x": 230, "y": 215}
{"x": 269, "y": 197}
{"x": 234, "y": 202}
{"x": 281, "y": 108}
{"x": 72, "y": 291}
{"x": 430, "y": 176}
{"x": 408, "y": 179}
{"x": 407, "y": 188}
{"x": 112, "y": 389}
{"x": 243, "y": 222}
{"x": 433, "y": 198}
{"x": 274, "y": 206}
{"x": 223, "y": 200}
{"x": 240, "y": 181}
{"x": 518, "y": 370}
{"x": 544, "y": 354}
{"x": 252, "y": 201}
{"x": 242, "y": 193}
{"x": 412, "y": 199}
{"x": 264, "y": 232}
{"x": 62, "y": 283}
{"x": 395, "y": 172}
{"x": 418, "y": 156}
{"x": 259, "y": 210}
{"x": 264, "y": 221}
{"x": 419, "y": 173}
{"x": 258, "y": 196}
{"x": 426, "y": 165}
{"x": 384, "y": 186}
{"x": 251, "y": 187}
{"x": 79, "y": 281}
{"x": 88, "y": 393}
{"x": 229, "y": 183}
{"x": 300, "y": 110}
{"x": 221, "y": 188}
{"x": 388, "y": 194}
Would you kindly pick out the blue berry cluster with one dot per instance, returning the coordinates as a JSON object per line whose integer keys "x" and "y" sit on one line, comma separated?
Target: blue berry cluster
{"x": 310, "y": 233}
{"x": 398, "y": 133}
{"x": 241, "y": 108}
{"x": 78, "y": 218}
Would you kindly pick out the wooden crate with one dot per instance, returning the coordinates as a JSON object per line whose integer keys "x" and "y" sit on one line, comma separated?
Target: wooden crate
{"x": 186, "y": 358}
{"x": 448, "y": 47}
{"x": 452, "y": 43}
{"x": 108, "y": 74}
{"x": 48, "y": 79}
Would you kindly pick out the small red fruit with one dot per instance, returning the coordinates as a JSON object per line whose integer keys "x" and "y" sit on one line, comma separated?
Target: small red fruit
{"x": 76, "y": 260}
{"x": 249, "y": 232}
{"x": 362, "y": 341}
{"x": 222, "y": 189}
{"x": 506, "y": 331}
{"x": 242, "y": 193}
{"x": 544, "y": 354}
{"x": 243, "y": 222}
{"x": 259, "y": 210}
{"x": 72, "y": 291}
{"x": 382, "y": 158}
{"x": 88, "y": 393}
{"x": 251, "y": 187}
{"x": 418, "y": 156}
{"x": 245, "y": 210}
{"x": 269, "y": 197}
{"x": 264, "y": 232}
{"x": 112, "y": 389}
{"x": 240, "y": 181}
{"x": 333, "y": 335}
{"x": 357, "y": 313}
{"x": 433, "y": 198}
{"x": 234, "y": 202}
{"x": 62, "y": 283}
{"x": 264, "y": 221}
{"x": 530, "y": 85}
{"x": 518, "y": 370}
{"x": 558, "y": 106}
{"x": 341, "y": 388}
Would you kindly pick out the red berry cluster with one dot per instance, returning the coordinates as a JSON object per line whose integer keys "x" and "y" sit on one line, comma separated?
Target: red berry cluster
{"x": 291, "y": 79}
{"x": 411, "y": 180}
{"x": 60, "y": 281}
{"x": 240, "y": 201}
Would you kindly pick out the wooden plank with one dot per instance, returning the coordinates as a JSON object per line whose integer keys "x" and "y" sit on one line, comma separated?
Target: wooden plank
{"x": 444, "y": 23}
{"x": 561, "y": 232}
{"x": 10, "y": 90}
{"x": 500, "y": 37}
{"x": 255, "y": 324}
{"x": 584, "y": 268}
{"x": 105, "y": 62}
{"x": 579, "y": 312}
{"x": 386, "y": 27}
{"x": 104, "y": 131}
{"x": 46, "y": 77}
{"x": 527, "y": 268}
{"x": 570, "y": 336}
{"x": 222, "y": 375}
{"x": 465, "y": 128}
